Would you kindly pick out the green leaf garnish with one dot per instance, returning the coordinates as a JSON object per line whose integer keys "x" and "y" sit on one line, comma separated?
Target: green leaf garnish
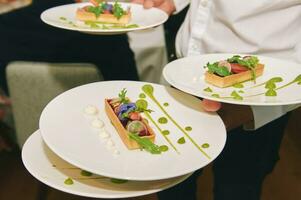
{"x": 215, "y": 69}
{"x": 118, "y": 11}
{"x": 249, "y": 63}
{"x": 122, "y": 96}
{"x": 146, "y": 144}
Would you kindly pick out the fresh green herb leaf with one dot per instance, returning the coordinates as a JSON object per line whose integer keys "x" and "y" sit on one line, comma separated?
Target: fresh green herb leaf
{"x": 122, "y": 96}
{"x": 118, "y": 11}
{"x": 215, "y": 69}
{"x": 146, "y": 144}
{"x": 97, "y": 10}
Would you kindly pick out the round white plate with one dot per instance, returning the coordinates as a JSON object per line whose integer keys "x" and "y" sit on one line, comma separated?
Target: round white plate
{"x": 50, "y": 169}
{"x": 64, "y": 17}
{"x": 187, "y": 74}
{"x": 69, "y": 133}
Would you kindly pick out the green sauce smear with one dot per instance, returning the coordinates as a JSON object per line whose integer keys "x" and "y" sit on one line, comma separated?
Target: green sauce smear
{"x": 271, "y": 93}
{"x": 166, "y": 132}
{"x": 166, "y": 104}
{"x": 149, "y": 91}
{"x": 69, "y": 181}
{"x": 105, "y": 26}
{"x": 63, "y": 18}
{"x": 163, "y": 148}
{"x": 236, "y": 96}
{"x": 241, "y": 91}
{"x": 85, "y": 173}
{"x": 118, "y": 181}
{"x": 162, "y": 120}
{"x": 182, "y": 140}
{"x": 215, "y": 95}
{"x": 238, "y": 85}
{"x": 272, "y": 80}
{"x": 188, "y": 128}
{"x": 205, "y": 145}
{"x": 142, "y": 95}
{"x": 143, "y": 104}
{"x": 208, "y": 89}
{"x": 270, "y": 85}
{"x": 296, "y": 80}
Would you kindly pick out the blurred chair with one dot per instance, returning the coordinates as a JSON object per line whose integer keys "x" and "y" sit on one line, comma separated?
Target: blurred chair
{"x": 32, "y": 85}
{"x": 150, "y": 53}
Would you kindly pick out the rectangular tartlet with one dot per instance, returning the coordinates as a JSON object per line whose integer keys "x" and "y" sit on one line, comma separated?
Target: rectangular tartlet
{"x": 123, "y": 133}
{"x": 230, "y": 80}
{"x": 83, "y": 15}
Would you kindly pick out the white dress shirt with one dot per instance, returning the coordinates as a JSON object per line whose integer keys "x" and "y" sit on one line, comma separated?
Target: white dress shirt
{"x": 262, "y": 27}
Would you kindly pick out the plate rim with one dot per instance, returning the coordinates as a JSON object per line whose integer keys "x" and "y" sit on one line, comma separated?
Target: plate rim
{"x": 101, "y": 31}
{"x": 247, "y": 103}
{"x": 79, "y": 163}
{"x": 37, "y": 133}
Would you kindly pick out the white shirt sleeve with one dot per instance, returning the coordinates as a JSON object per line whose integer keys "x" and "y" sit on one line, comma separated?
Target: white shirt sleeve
{"x": 265, "y": 114}
{"x": 180, "y": 5}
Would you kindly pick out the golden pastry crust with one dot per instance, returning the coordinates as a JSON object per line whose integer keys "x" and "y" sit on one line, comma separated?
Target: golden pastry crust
{"x": 83, "y": 15}
{"x": 123, "y": 133}
{"x": 227, "y": 81}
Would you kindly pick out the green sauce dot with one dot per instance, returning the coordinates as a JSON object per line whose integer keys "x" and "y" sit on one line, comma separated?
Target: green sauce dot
{"x": 271, "y": 93}
{"x": 238, "y": 85}
{"x": 141, "y": 103}
{"x": 298, "y": 78}
{"x": 163, "y": 148}
{"x": 118, "y": 181}
{"x": 188, "y": 128}
{"x": 166, "y": 104}
{"x": 162, "y": 120}
{"x": 68, "y": 181}
{"x": 181, "y": 140}
{"x": 63, "y": 18}
{"x": 205, "y": 145}
{"x": 241, "y": 91}
{"x": 236, "y": 96}
{"x": 142, "y": 95}
{"x": 270, "y": 85}
{"x": 85, "y": 173}
{"x": 208, "y": 89}
{"x": 165, "y": 132}
{"x": 215, "y": 95}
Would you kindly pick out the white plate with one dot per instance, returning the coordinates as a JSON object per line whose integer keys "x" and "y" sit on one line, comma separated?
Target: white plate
{"x": 70, "y": 135}
{"x": 187, "y": 74}
{"x": 50, "y": 169}
{"x": 144, "y": 18}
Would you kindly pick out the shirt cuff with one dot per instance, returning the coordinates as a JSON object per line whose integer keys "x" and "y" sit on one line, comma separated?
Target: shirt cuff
{"x": 180, "y": 5}
{"x": 265, "y": 114}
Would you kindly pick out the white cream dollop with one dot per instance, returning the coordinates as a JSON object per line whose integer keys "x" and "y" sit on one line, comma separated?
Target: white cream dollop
{"x": 104, "y": 134}
{"x": 97, "y": 123}
{"x": 91, "y": 110}
{"x": 110, "y": 143}
{"x": 116, "y": 152}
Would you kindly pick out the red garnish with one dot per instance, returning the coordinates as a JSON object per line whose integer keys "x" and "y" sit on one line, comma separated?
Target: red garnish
{"x": 95, "y": 2}
{"x": 106, "y": 12}
{"x": 135, "y": 116}
{"x": 237, "y": 68}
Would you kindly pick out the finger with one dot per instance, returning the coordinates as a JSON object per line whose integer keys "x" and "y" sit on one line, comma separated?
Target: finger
{"x": 211, "y": 106}
{"x": 148, "y": 4}
{"x": 158, "y": 2}
{"x": 137, "y": 1}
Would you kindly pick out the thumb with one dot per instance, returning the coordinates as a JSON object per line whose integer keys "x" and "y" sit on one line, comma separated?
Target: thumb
{"x": 148, "y": 4}
{"x": 211, "y": 106}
